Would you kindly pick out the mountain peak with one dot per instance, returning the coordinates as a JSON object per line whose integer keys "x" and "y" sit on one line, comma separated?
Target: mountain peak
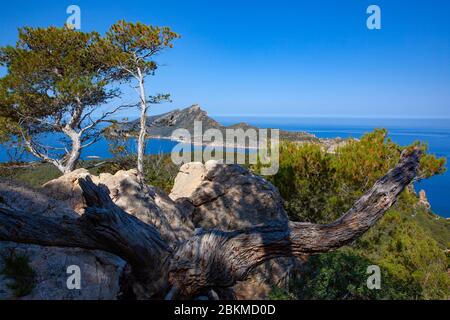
{"x": 163, "y": 125}
{"x": 195, "y": 107}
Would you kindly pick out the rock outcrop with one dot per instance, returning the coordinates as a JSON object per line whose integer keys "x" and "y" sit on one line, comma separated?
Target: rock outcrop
{"x": 66, "y": 189}
{"x": 206, "y": 196}
{"x": 229, "y": 197}
{"x": 423, "y": 200}
{"x": 190, "y": 261}
{"x": 144, "y": 202}
{"x": 163, "y": 125}
{"x": 100, "y": 271}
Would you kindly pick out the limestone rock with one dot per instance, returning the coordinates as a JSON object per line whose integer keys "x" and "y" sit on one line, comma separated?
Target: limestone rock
{"x": 148, "y": 204}
{"x": 66, "y": 188}
{"x": 144, "y": 202}
{"x": 229, "y": 197}
{"x": 100, "y": 273}
{"x": 423, "y": 200}
{"x": 211, "y": 195}
{"x": 32, "y": 200}
{"x": 276, "y": 272}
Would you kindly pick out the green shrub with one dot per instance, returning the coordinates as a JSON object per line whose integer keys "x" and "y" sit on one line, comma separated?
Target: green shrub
{"x": 408, "y": 243}
{"x": 399, "y": 245}
{"x": 341, "y": 275}
{"x": 18, "y": 271}
{"x": 318, "y": 186}
{"x": 278, "y": 293}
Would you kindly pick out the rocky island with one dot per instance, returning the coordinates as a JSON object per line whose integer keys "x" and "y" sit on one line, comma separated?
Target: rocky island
{"x": 163, "y": 125}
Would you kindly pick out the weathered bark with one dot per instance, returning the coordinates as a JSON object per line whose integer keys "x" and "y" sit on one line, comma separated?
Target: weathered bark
{"x": 219, "y": 259}
{"x": 212, "y": 259}
{"x": 70, "y": 161}
{"x": 105, "y": 227}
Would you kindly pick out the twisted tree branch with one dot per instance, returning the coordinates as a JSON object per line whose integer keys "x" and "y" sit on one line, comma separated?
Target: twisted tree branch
{"x": 219, "y": 259}
{"x": 207, "y": 260}
{"x": 104, "y": 226}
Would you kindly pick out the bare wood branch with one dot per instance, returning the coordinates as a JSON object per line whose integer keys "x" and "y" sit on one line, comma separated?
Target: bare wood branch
{"x": 104, "y": 226}
{"x": 104, "y": 116}
{"x": 219, "y": 259}
{"x": 209, "y": 259}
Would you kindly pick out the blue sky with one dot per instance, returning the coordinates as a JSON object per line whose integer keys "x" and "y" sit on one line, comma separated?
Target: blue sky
{"x": 282, "y": 58}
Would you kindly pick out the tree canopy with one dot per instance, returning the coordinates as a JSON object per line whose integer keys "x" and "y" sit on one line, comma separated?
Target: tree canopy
{"x": 134, "y": 47}
{"x": 56, "y": 78}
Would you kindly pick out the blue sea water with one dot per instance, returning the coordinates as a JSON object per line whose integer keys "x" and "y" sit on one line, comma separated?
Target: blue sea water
{"x": 434, "y": 132}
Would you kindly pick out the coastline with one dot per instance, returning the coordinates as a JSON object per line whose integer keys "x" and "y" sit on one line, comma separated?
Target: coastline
{"x": 435, "y": 134}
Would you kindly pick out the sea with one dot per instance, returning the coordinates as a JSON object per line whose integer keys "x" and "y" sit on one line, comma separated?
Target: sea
{"x": 434, "y": 132}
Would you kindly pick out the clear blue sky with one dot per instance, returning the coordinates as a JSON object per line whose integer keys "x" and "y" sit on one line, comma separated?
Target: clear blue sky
{"x": 282, "y": 57}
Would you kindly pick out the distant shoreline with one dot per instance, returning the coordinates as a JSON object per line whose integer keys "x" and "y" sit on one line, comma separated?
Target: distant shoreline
{"x": 403, "y": 133}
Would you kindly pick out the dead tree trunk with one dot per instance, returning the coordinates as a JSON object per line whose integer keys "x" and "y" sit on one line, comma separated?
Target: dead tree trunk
{"x": 143, "y": 127}
{"x": 207, "y": 260}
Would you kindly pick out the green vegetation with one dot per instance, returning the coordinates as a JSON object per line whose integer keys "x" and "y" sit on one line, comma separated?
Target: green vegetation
{"x": 29, "y": 175}
{"x": 319, "y": 186}
{"x": 408, "y": 244}
{"x": 55, "y": 79}
{"x": 342, "y": 275}
{"x": 159, "y": 170}
{"x": 402, "y": 248}
{"x": 17, "y": 269}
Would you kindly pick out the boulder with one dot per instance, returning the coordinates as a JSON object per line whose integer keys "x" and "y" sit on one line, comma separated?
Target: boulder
{"x": 150, "y": 205}
{"x": 211, "y": 195}
{"x": 100, "y": 271}
{"x": 31, "y": 200}
{"x": 229, "y": 197}
{"x": 66, "y": 189}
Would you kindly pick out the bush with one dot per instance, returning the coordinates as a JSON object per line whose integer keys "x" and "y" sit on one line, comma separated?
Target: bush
{"x": 306, "y": 181}
{"x": 400, "y": 246}
{"x": 318, "y": 187}
{"x": 18, "y": 270}
{"x": 341, "y": 275}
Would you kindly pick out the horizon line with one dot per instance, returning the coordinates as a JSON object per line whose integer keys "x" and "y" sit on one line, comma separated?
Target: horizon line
{"x": 281, "y": 116}
{"x": 331, "y": 116}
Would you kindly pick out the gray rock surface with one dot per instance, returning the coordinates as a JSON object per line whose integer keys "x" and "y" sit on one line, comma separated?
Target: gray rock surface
{"x": 229, "y": 197}
{"x": 146, "y": 203}
{"x": 100, "y": 271}
{"x": 211, "y": 195}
